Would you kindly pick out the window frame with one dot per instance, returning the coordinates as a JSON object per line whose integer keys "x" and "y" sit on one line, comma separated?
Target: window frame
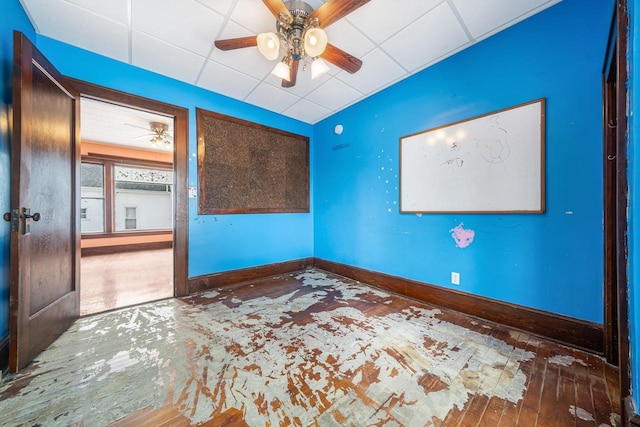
{"x": 109, "y": 163}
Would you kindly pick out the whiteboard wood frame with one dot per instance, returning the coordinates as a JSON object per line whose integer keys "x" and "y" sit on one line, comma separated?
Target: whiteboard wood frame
{"x": 493, "y": 163}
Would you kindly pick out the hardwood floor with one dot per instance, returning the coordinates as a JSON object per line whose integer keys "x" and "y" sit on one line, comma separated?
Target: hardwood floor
{"x": 125, "y": 279}
{"x": 307, "y": 348}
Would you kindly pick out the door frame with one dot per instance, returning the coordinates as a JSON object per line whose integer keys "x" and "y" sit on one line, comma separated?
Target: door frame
{"x": 180, "y": 164}
{"x": 615, "y": 145}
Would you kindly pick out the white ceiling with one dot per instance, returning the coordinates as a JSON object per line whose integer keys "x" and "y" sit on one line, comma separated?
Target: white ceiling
{"x": 117, "y": 125}
{"x": 393, "y": 38}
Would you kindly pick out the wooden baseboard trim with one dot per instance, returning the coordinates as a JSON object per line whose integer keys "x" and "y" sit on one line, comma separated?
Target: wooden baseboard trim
{"x": 566, "y": 330}
{"x": 116, "y": 249}
{"x": 630, "y": 417}
{"x": 4, "y": 355}
{"x": 226, "y": 278}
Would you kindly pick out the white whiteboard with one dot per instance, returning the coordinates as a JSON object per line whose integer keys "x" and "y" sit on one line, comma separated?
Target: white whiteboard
{"x": 490, "y": 163}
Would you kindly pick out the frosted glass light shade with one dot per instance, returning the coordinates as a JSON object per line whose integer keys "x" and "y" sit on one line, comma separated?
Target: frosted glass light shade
{"x": 282, "y": 70}
{"x": 268, "y": 45}
{"x": 315, "y": 42}
{"x": 318, "y": 68}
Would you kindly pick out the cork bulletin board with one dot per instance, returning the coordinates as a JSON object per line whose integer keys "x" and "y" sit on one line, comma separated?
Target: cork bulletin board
{"x": 244, "y": 167}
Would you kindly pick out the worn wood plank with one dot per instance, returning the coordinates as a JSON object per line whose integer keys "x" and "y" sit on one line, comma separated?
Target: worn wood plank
{"x": 307, "y": 348}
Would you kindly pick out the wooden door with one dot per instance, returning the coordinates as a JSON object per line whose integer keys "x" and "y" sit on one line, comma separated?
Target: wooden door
{"x": 44, "y": 249}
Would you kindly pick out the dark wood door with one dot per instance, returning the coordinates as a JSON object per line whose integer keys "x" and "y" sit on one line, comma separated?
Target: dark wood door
{"x": 44, "y": 251}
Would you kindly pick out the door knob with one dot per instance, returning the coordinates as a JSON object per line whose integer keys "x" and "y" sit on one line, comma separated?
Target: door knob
{"x": 36, "y": 216}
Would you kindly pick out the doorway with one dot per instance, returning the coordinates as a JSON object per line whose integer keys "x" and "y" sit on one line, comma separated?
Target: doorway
{"x": 137, "y": 251}
{"x": 126, "y": 206}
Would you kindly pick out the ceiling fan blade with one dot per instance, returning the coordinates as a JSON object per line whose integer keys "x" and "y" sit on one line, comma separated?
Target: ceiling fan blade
{"x": 341, "y": 59}
{"x": 144, "y": 136}
{"x": 276, "y": 7}
{"x": 238, "y": 43}
{"x": 334, "y": 10}
{"x": 293, "y": 75}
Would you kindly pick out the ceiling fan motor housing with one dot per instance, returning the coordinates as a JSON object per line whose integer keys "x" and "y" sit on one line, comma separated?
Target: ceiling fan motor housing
{"x": 291, "y": 28}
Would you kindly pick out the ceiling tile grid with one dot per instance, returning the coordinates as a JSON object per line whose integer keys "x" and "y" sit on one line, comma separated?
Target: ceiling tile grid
{"x": 176, "y": 38}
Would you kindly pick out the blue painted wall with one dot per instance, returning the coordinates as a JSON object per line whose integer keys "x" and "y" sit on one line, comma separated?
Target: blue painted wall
{"x": 551, "y": 261}
{"x": 220, "y": 242}
{"x": 12, "y": 17}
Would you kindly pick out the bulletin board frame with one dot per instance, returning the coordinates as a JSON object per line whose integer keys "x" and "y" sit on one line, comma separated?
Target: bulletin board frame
{"x": 247, "y": 168}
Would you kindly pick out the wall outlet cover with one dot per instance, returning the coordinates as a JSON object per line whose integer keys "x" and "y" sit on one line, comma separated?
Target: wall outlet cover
{"x": 455, "y": 278}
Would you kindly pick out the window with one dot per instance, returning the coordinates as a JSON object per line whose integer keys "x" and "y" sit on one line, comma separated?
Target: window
{"x": 92, "y": 197}
{"x": 132, "y": 197}
{"x": 130, "y": 218}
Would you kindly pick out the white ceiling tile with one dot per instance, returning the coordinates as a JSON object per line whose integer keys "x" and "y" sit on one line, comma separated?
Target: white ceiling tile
{"x": 334, "y": 95}
{"x": 185, "y": 24}
{"x": 224, "y": 80}
{"x": 431, "y": 37}
{"x": 380, "y": 20}
{"x": 306, "y": 111}
{"x": 155, "y": 55}
{"x": 221, "y": 6}
{"x": 378, "y": 70}
{"x": 497, "y": 13}
{"x": 247, "y": 60}
{"x": 271, "y": 98}
{"x": 254, "y": 15}
{"x": 78, "y": 27}
{"x": 346, "y": 37}
{"x": 112, "y": 9}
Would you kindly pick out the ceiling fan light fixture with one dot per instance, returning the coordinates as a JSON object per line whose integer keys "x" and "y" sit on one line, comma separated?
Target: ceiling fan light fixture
{"x": 315, "y": 41}
{"x": 318, "y": 68}
{"x": 269, "y": 45}
{"x": 282, "y": 70}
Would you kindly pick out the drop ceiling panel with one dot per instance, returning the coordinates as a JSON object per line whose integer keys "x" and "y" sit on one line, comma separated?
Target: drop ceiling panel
{"x": 436, "y": 33}
{"x": 378, "y": 70}
{"x": 350, "y": 39}
{"x": 79, "y": 27}
{"x": 175, "y": 38}
{"x": 181, "y": 64}
{"x": 220, "y": 6}
{"x": 185, "y": 24}
{"x": 334, "y": 95}
{"x": 271, "y": 98}
{"x": 497, "y": 13}
{"x": 113, "y": 9}
{"x": 254, "y": 16}
{"x": 381, "y": 20}
{"x": 307, "y": 111}
{"x": 224, "y": 80}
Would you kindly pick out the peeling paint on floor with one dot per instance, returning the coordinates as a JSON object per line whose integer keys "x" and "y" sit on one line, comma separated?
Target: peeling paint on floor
{"x": 306, "y": 356}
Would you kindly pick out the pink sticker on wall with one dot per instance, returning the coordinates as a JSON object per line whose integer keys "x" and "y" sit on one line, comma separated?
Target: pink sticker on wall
{"x": 462, "y": 236}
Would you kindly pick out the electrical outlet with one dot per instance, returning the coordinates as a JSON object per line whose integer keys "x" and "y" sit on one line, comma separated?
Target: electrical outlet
{"x": 455, "y": 278}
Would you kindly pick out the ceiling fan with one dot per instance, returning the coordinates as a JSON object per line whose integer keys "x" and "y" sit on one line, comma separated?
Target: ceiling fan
{"x": 159, "y": 133}
{"x": 299, "y": 32}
